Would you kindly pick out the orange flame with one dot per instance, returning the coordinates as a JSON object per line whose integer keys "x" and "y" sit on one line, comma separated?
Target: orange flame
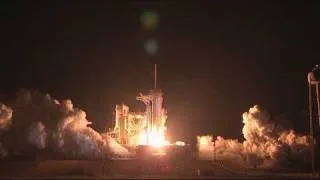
{"x": 155, "y": 138}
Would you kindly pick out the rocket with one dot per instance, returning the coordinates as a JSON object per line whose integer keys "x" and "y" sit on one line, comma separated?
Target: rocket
{"x": 154, "y": 110}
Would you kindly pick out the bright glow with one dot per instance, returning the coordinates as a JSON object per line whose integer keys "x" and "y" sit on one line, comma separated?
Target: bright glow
{"x": 155, "y": 138}
{"x": 180, "y": 143}
{"x": 204, "y": 140}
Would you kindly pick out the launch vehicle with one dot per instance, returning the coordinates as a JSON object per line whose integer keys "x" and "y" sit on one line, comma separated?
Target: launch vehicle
{"x": 146, "y": 128}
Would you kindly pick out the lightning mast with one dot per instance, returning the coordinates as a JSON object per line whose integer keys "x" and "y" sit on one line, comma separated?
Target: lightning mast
{"x": 155, "y": 76}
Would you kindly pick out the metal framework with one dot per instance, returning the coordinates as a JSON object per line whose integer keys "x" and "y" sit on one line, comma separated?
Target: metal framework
{"x": 129, "y": 125}
{"x": 313, "y": 82}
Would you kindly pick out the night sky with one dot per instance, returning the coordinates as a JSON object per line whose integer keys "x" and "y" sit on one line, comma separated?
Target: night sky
{"x": 216, "y": 59}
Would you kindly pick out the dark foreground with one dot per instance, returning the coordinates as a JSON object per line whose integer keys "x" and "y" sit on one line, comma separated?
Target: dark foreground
{"x": 136, "y": 169}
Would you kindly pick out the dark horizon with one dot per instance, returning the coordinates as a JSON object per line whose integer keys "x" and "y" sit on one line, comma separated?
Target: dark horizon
{"x": 216, "y": 59}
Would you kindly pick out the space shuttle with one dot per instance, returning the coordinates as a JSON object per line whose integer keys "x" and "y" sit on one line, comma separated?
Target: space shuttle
{"x": 155, "y": 113}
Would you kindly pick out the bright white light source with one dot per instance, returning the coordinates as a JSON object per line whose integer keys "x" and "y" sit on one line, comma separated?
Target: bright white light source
{"x": 180, "y": 143}
{"x": 154, "y": 138}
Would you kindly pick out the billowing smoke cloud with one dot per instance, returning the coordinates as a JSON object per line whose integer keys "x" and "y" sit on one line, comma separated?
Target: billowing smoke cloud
{"x": 38, "y": 135}
{"x": 266, "y": 144}
{"x": 37, "y": 124}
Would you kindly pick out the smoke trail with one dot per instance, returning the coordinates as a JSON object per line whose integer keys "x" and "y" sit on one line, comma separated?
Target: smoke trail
{"x": 40, "y": 123}
{"x": 266, "y": 144}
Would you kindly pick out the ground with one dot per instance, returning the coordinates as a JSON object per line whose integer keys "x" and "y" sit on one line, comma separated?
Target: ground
{"x": 133, "y": 168}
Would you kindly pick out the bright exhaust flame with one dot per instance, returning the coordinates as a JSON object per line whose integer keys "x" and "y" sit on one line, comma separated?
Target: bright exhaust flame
{"x": 180, "y": 143}
{"x": 155, "y": 138}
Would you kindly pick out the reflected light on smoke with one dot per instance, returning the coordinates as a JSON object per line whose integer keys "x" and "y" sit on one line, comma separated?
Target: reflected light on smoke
{"x": 266, "y": 144}
{"x": 204, "y": 140}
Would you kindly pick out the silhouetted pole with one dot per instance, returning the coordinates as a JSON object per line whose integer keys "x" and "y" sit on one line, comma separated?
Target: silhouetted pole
{"x": 318, "y": 103}
{"x": 155, "y": 76}
{"x": 215, "y": 152}
{"x": 311, "y": 128}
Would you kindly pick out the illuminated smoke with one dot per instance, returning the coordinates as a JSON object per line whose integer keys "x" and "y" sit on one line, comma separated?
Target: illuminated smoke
{"x": 3, "y": 151}
{"x": 5, "y": 117}
{"x": 38, "y": 135}
{"x": 41, "y": 123}
{"x": 116, "y": 149}
{"x": 5, "y": 123}
{"x": 266, "y": 144}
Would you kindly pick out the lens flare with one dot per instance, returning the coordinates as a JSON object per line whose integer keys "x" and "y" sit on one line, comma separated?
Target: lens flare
{"x": 149, "y": 20}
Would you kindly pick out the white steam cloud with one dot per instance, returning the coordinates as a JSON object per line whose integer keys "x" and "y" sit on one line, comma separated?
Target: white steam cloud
{"x": 38, "y": 135}
{"x": 37, "y": 124}
{"x": 266, "y": 144}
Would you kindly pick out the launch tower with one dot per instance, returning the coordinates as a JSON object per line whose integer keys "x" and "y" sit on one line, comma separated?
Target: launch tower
{"x": 155, "y": 113}
{"x": 141, "y": 128}
{"x": 314, "y": 112}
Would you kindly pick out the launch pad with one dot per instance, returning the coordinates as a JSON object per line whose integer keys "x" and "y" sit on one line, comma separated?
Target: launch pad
{"x": 159, "y": 168}
{"x": 143, "y": 131}
{"x": 146, "y": 128}
{"x": 144, "y": 134}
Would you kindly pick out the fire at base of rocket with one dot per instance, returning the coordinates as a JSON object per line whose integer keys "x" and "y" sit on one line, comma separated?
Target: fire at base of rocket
{"x": 147, "y": 128}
